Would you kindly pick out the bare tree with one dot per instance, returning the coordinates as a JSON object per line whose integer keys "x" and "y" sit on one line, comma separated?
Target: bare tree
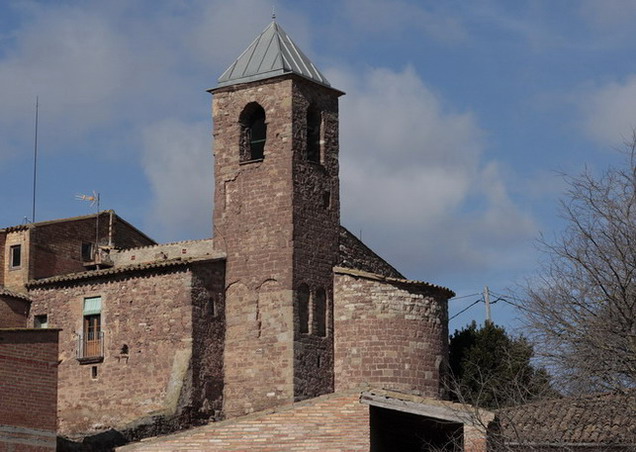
{"x": 582, "y": 308}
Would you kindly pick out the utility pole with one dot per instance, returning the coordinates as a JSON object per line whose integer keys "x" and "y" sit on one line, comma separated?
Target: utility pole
{"x": 487, "y": 301}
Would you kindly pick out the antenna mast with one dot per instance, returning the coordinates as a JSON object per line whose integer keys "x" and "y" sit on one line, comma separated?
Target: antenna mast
{"x": 35, "y": 157}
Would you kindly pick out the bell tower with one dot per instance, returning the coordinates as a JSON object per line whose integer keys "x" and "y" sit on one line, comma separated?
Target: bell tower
{"x": 277, "y": 217}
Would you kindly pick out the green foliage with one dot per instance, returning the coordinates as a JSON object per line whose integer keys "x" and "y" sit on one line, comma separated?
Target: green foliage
{"x": 491, "y": 369}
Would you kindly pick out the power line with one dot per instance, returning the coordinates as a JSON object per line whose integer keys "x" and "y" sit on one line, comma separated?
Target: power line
{"x": 465, "y": 296}
{"x": 466, "y": 308}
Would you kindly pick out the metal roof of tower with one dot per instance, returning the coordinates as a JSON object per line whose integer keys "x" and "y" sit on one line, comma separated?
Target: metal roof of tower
{"x": 271, "y": 54}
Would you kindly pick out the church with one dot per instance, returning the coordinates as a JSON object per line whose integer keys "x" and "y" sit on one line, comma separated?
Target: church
{"x": 281, "y": 305}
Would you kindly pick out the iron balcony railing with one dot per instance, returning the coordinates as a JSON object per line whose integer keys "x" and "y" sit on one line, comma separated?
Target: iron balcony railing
{"x": 90, "y": 346}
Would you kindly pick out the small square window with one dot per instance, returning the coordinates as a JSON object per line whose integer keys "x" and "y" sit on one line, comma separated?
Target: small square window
{"x": 41, "y": 321}
{"x": 15, "y": 258}
{"x": 87, "y": 252}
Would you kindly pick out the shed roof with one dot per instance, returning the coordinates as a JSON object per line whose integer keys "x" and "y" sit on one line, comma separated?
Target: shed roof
{"x": 271, "y": 54}
{"x": 594, "y": 419}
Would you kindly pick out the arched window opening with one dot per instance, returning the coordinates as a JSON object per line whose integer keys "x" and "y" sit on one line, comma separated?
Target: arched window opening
{"x": 320, "y": 313}
{"x": 313, "y": 134}
{"x": 253, "y": 132}
{"x": 302, "y": 302}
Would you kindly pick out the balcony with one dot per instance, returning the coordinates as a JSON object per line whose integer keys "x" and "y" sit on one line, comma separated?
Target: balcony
{"x": 90, "y": 348}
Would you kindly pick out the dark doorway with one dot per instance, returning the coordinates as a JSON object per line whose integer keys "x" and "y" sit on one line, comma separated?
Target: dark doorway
{"x": 393, "y": 430}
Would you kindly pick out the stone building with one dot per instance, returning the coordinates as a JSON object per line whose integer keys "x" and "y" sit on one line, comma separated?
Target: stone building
{"x": 281, "y": 305}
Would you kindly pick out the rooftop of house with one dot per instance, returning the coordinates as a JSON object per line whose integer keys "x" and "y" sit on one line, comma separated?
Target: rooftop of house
{"x": 593, "y": 419}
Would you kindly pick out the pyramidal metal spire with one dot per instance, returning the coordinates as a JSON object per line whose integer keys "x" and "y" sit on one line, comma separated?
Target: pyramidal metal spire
{"x": 271, "y": 54}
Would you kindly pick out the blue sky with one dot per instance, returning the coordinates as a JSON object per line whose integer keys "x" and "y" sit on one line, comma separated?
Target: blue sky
{"x": 458, "y": 119}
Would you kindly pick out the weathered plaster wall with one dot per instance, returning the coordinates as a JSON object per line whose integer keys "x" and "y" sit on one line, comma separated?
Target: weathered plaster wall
{"x": 389, "y": 334}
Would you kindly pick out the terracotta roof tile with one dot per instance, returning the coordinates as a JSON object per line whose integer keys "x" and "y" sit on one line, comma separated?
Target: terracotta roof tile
{"x": 596, "y": 419}
{"x": 10, "y": 293}
{"x": 118, "y": 270}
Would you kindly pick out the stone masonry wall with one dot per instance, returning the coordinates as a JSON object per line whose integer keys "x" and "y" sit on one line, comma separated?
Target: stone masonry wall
{"x": 152, "y": 253}
{"x": 389, "y": 334}
{"x": 3, "y": 239}
{"x": 15, "y": 278}
{"x": 356, "y": 255}
{"x": 316, "y": 207}
{"x": 147, "y": 320}
{"x": 253, "y": 225}
{"x": 13, "y": 312}
{"x": 208, "y": 333}
{"x": 336, "y": 422}
{"x": 28, "y": 393}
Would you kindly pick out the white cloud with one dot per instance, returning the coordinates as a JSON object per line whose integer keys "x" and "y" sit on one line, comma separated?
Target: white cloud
{"x": 178, "y": 163}
{"x": 385, "y": 16}
{"x": 415, "y": 181}
{"x": 609, "y": 111}
{"x": 608, "y": 14}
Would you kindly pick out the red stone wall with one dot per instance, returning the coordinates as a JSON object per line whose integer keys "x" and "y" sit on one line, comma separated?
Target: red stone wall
{"x": 389, "y": 334}
{"x": 253, "y": 225}
{"x": 28, "y": 393}
{"x": 356, "y": 255}
{"x": 3, "y": 240}
{"x": 337, "y": 422}
{"x": 13, "y": 312}
{"x": 151, "y": 312}
{"x": 316, "y": 207}
{"x": 208, "y": 332}
{"x": 277, "y": 219}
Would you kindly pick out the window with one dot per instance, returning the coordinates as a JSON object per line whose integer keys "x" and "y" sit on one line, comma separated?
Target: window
{"x": 320, "y": 312}
{"x": 41, "y": 321}
{"x": 302, "y": 302}
{"x": 91, "y": 345}
{"x": 253, "y": 132}
{"x": 313, "y": 134}
{"x": 87, "y": 252}
{"x": 15, "y": 256}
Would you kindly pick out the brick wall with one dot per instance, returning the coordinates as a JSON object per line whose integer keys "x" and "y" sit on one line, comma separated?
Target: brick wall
{"x": 13, "y": 312}
{"x": 336, "y": 422}
{"x": 389, "y": 334}
{"x": 126, "y": 235}
{"x": 57, "y": 245}
{"x": 28, "y": 393}
{"x": 151, "y": 313}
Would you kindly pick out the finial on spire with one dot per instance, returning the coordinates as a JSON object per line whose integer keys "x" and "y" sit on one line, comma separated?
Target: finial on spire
{"x": 273, "y": 12}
